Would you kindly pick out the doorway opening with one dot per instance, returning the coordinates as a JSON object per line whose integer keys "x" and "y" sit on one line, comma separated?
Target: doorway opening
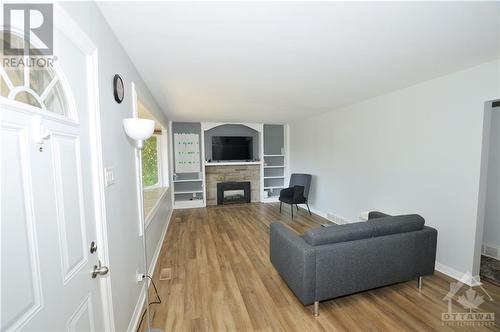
{"x": 489, "y": 221}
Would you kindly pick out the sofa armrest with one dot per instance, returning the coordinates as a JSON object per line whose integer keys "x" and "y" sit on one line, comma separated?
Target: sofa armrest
{"x": 426, "y": 247}
{"x": 295, "y": 261}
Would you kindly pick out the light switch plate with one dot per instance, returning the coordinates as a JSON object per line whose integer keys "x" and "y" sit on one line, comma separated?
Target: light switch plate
{"x": 109, "y": 176}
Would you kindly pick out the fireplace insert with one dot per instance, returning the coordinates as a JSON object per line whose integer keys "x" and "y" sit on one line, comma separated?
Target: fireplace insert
{"x": 233, "y": 192}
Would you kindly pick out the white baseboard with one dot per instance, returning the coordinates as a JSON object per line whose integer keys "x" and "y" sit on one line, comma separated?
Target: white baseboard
{"x": 318, "y": 212}
{"x": 139, "y": 306}
{"x": 466, "y": 277}
{"x": 333, "y": 218}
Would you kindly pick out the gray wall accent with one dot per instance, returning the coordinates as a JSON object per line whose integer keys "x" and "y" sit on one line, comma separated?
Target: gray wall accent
{"x": 414, "y": 150}
{"x": 231, "y": 130}
{"x": 274, "y": 139}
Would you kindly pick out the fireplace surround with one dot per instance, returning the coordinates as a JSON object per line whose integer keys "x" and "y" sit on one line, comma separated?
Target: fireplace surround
{"x": 233, "y": 192}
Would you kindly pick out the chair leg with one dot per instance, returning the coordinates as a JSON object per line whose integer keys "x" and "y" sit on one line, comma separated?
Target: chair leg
{"x": 291, "y": 205}
{"x": 297, "y": 205}
{"x": 308, "y": 209}
{"x": 281, "y": 203}
{"x": 316, "y": 309}
{"x": 419, "y": 283}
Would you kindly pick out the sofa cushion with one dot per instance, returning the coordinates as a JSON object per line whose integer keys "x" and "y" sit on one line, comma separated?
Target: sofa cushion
{"x": 397, "y": 224}
{"x": 338, "y": 233}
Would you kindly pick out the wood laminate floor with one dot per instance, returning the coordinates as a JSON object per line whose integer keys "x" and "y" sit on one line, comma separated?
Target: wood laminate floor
{"x": 222, "y": 280}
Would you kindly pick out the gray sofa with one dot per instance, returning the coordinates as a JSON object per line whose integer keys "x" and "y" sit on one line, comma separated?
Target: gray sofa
{"x": 338, "y": 260}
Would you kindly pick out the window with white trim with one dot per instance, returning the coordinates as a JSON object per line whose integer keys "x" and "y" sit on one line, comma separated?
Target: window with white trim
{"x": 152, "y": 162}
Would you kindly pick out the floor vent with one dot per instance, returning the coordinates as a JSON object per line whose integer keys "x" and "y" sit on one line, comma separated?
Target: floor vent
{"x": 166, "y": 274}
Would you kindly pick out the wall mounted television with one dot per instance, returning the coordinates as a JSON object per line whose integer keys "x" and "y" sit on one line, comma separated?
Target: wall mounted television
{"x": 232, "y": 148}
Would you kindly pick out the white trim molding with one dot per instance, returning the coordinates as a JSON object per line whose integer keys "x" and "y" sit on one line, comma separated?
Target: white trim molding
{"x": 464, "y": 277}
{"x": 98, "y": 187}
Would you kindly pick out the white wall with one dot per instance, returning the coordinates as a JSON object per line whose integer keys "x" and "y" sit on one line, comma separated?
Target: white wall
{"x": 125, "y": 245}
{"x": 492, "y": 211}
{"x": 415, "y": 150}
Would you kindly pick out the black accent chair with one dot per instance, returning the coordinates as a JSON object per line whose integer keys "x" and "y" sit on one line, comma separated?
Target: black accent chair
{"x": 297, "y": 191}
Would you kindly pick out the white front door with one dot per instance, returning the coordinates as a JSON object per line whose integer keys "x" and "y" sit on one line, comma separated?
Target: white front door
{"x": 48, "y": 214}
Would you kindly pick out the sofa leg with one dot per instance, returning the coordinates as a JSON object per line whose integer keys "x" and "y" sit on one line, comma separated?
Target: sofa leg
{"x": 419, "y": 283}
{"x": 316, "y": 309}
{"x": 291, "y": 205}
{"x": 281, "y": 203}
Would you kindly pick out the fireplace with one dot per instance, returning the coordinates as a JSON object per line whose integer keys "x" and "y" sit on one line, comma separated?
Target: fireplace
{"x": 233, "y": 192}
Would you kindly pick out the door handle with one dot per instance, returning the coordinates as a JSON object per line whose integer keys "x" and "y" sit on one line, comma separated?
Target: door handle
{"x": 99, "y": 270}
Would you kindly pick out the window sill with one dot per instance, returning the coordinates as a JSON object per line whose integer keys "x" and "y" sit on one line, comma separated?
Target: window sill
{"x": 152, "y": 200}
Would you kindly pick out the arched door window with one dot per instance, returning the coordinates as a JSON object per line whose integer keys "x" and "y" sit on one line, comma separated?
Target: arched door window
{"x": 36, "y": 86}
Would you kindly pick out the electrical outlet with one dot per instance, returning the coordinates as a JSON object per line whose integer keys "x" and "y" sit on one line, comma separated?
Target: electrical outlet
{"x": 139, "y": 276}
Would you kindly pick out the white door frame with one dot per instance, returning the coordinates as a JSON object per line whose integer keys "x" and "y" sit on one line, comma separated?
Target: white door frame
{"x": 66, "y": 25}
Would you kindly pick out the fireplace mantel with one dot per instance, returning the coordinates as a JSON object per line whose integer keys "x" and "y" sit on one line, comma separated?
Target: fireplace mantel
{"x": 233, "y": 163}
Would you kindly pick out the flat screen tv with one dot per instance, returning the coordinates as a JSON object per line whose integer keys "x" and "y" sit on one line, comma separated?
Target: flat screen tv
{"x": 237, "y": 148}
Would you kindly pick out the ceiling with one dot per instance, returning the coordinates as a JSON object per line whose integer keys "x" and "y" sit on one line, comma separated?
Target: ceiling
{"x": 282, "y": 61}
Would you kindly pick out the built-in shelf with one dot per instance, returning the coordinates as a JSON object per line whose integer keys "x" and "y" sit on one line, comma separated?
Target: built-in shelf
{"x": 187, "y": 204}
{"x": 278, "y": 187}
{"x": 188, "y": 180}
{"x": 274, "y": 166}
{"x": 188, "y": 192}
{"x": 274, "y": 177}
{"x": 274, "y": 155}
{"x": 235, "y": 163}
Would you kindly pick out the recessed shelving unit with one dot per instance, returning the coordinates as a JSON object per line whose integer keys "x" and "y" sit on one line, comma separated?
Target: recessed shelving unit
{"x": 274, "y": 170}
{"x": 188, "y": 192}
{"x": 188, "y": 188}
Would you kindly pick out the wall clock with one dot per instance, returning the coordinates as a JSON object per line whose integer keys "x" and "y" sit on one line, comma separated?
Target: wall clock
{"x": 118, "y": 89}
